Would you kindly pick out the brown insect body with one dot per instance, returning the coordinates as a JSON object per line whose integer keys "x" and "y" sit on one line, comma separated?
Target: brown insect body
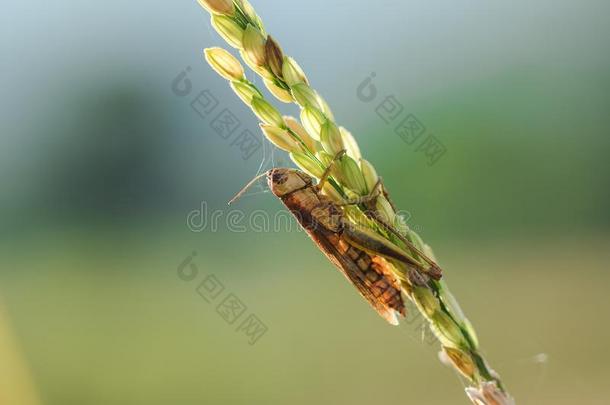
{"x": 323, "y": 221}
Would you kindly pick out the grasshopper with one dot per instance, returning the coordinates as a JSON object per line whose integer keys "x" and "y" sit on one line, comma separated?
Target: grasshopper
{"x": 359, "y": 253}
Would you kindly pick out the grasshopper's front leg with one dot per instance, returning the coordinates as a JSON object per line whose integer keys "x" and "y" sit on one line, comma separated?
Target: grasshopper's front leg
{"x": 329, "y": 169}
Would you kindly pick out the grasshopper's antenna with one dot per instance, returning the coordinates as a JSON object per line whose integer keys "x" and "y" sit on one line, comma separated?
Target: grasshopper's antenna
{"x": 246, "y": 187}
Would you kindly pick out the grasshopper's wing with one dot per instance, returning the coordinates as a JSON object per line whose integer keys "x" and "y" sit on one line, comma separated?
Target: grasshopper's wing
{"x": 366, "y": 273}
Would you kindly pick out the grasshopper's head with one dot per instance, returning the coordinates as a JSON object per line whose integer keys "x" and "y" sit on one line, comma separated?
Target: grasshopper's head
{"x": 285, "y": 181}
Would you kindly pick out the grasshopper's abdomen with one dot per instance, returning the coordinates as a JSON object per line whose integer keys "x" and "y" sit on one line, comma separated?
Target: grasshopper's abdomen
{"x": 369, "y": 273}
{"x": 376, "y": 277}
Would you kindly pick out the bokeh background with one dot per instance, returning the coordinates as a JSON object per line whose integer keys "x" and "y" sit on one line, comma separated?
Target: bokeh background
{"x": 101, "y": 162}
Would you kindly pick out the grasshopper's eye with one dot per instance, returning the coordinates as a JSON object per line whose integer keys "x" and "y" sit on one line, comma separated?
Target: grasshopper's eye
{"x": 278, "y": 177}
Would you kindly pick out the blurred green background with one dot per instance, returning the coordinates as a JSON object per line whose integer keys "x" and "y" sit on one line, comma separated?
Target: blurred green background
{"x": 101, "y": 162}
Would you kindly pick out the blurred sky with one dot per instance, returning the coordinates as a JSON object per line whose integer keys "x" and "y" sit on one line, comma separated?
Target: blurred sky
{"x": 89, "y": 119}
{"x": 100, "y": 163}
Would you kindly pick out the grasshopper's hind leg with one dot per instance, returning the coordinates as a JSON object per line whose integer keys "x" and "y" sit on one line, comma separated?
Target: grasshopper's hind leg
{"x": 373, "y": 243}
{"x": 369, "y": 201}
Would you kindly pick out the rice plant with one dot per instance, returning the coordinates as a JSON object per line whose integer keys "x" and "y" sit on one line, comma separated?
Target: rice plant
{"x": 312, "y": 142}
